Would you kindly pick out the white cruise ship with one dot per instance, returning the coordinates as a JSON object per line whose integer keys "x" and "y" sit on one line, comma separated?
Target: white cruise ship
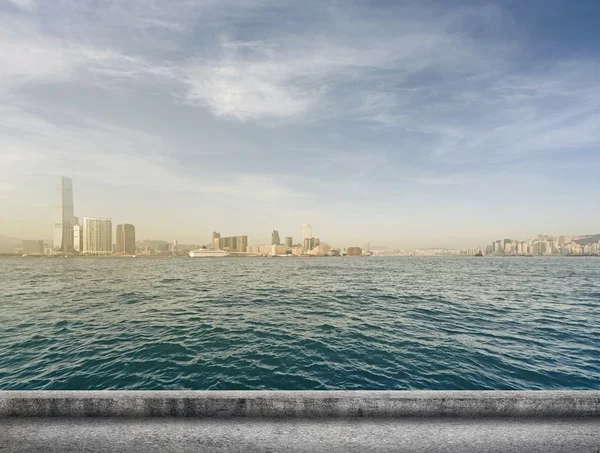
{"x": 208, "y": 253}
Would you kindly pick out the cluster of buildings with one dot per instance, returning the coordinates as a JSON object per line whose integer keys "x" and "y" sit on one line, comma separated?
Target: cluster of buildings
{"x": 87, "y": 236}
{"x": 418, "y": 252}
{"x": 94, "y": 236}
{"x": 543, "y": 245}
{"x": 308, "y": 246}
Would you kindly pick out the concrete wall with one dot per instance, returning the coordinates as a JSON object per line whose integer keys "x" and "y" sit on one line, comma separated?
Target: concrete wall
{"x": 300, "y": 404}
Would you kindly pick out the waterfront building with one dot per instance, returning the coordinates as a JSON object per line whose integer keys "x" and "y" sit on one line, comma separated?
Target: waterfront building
{"x": 310, "y": 243}
{"x": 319, "y": 250}
{"x": 275, "y": 238}
{"x": 29, "y": 247}
{"x": 241, "y": 243}
{"x": 215, "y": 240}
{"x": 289, "y": 241}
{"x": 125, "y": 239}
{"x": 97, "y": 236}
{"x": 354, "y": 251}
{"x": 277, "y": 249}
{"x": 78, "y": 238}
{"x": 306, "y": 231}
{"x": 231, "y": 243}
{"x": 64, "y": 217}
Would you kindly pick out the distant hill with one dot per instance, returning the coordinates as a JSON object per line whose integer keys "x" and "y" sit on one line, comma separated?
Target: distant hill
{"x": 586, "y": 240}
{"x": 6, "y": 240}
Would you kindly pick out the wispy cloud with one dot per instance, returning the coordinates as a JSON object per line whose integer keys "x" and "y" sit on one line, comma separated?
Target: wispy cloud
{"x": 298, "y": 103}
{"x": 25, "y": 5}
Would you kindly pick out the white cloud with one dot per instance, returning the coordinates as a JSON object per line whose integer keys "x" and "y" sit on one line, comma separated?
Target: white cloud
{"x": 25, "y": 5}
{"x": 157, "y": 23}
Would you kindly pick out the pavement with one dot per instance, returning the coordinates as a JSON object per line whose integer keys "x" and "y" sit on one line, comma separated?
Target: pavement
{"x": 270, "y": 435}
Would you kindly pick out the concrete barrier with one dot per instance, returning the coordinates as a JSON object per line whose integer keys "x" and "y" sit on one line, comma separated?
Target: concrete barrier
{"x": 300, "y": 404}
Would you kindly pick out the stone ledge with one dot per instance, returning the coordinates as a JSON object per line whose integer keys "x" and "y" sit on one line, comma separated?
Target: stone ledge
{"x": 300, "y": 404}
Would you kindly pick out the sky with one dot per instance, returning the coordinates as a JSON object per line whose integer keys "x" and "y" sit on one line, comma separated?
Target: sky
{"x": 403, "y": 124}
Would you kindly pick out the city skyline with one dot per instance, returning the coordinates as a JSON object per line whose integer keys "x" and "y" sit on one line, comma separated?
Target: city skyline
{"x": 93, "y": 235}
{"x": 409, "y": 124}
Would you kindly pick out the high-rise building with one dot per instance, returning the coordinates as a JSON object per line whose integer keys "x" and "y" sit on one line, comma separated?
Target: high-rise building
{"x": 241, "y": 244}
{"x": 32, "y": 247}
{"x": 78, "y": 238}
{"x": 310, "y": 243}
{"x": 64, "y": 217}
{"x": 289, "y": 241}
{"x": 232, "y": 243}
{"x": 306, "y": 231}
{"x": 97, "y": 236}
{"x": 275, "y": 238}
{"x": 215, "y": 242}
{"x": 125, "y": 240}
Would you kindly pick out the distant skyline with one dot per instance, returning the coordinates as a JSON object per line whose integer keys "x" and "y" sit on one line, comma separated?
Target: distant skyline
{"x": 404, "y": 124}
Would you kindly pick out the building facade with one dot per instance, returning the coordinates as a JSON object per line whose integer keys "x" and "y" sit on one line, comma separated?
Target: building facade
{"x": 78, "y": 238}
{"x": 306, "y": 231}
{"x": 97, "y": 236}
{"x": 354, "y": 251}
{"x": 275, "y": 238}
{"x": 310, "y": 243}
{"x": 319, "y": 250}
{"x": 231, "y": 243}
{"x": 125, "y": 240}
{"x": 64, "y": 217}
{"x": 289, "y": 241}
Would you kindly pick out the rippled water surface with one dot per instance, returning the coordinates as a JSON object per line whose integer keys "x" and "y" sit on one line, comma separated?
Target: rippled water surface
{"x": 300, "y": 323}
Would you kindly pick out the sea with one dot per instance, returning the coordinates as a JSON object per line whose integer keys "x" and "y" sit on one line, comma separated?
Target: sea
{"x": 344, "y": 323}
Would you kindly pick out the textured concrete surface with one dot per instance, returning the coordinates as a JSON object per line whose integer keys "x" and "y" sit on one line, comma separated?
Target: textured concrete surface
{"x": 300, "y": 421}
{"x": 300, "y": 404}
{"x": 246, "y": 435}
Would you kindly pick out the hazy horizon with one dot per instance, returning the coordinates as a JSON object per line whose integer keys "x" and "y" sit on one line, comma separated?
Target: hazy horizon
{"x": 402, "y": 124}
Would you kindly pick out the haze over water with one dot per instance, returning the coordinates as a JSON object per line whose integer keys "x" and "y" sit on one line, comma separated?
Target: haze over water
{"x": 293, "y": 323}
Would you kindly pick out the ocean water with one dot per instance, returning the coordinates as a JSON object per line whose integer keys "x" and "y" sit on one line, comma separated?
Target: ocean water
{"x": 300, "y": 323}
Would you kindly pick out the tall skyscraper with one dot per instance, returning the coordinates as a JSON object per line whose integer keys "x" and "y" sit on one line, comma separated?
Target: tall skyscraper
{"x": 306, "y": 231}
{"x": 275, "y": 238}
{"x": 64, "y": 217}
{"x": 289, "y": 241}
{"x": 125, "y": 240}
{"x": 97, "y": 236}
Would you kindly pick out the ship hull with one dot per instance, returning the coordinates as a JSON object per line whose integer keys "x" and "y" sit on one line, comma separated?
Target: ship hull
{"x": 208, "y": 254}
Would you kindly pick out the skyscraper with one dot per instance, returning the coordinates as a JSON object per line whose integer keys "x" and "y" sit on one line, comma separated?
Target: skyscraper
{"x": 289, "y": 241}
{"x": 125, "y": 240}
{"x": 275, "y": 238}
{"x": 97, "y": 236}
{"x": 64, "y": 217}
{"x": 306, "y": 231}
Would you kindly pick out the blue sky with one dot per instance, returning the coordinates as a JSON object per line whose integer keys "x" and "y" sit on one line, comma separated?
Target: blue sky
{"x": 407, "y": 124}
